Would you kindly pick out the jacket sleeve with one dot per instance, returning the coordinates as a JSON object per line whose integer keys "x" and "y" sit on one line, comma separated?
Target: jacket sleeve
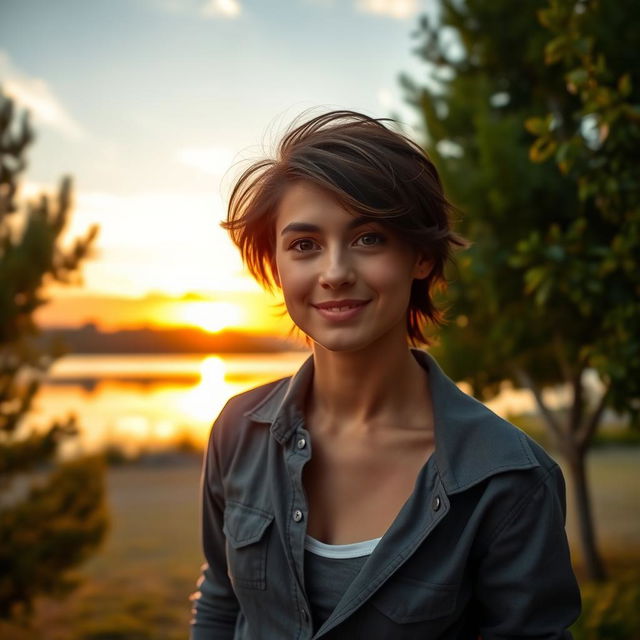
{"x": 215, "y": 607}
{"x": 525, "y": 585}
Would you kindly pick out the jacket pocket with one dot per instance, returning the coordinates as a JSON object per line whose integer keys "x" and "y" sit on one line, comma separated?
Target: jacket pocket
{"x": 246, "y": 544}
{"x": 405, "y": 601}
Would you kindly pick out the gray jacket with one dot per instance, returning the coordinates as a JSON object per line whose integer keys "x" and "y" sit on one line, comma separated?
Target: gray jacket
{"x": 479, "y": 549}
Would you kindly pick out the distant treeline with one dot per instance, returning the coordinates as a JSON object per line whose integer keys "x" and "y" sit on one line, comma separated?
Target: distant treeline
{"x": 90, "y": 339}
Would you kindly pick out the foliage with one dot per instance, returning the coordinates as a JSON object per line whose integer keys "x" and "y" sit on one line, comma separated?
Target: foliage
{"x": 55, "y": 527}
{"x": 596, "y": 265}
{"x": 610, "y": 610}
{"x": 53, "y": 524}
{"x": 549, "y": 288}
{"x": 487, "y": 77}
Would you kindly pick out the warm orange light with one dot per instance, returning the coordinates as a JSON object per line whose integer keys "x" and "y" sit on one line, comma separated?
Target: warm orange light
{"x": 204, "y": 400}
{"x": 210, "y": 316}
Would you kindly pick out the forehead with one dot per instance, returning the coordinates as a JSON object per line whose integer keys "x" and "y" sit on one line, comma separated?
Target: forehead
{"x": 304, "y": 201}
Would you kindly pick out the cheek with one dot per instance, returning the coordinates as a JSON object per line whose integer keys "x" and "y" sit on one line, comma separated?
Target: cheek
{"x": 294, "y": 280}
{"x": 391, "y": 275}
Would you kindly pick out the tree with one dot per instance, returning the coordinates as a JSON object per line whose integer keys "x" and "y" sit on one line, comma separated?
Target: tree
{"x": 60, "y": 518}
{"x": 545, "y": 293}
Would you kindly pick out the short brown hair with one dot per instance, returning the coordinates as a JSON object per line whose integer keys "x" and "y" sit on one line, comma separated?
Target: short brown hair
{"x": 370, "y": 170}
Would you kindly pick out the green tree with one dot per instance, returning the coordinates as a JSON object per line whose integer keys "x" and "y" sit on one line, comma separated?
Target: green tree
{"x": 545, "y": 293}
{"x": 52, "y": 511}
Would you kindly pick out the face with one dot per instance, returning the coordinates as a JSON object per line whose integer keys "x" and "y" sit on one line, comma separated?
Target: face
{"x": 346, "y": 281}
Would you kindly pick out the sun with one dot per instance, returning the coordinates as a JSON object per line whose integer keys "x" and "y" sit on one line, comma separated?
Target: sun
{"x": 210, "y": 316}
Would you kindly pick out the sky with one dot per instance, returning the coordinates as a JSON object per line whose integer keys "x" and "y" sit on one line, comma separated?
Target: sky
{"x": 153, "y": 106}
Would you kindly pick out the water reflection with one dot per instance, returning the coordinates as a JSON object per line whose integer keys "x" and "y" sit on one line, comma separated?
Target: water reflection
{"x": 140, "y": 400}
{"x": 200, "y": 402}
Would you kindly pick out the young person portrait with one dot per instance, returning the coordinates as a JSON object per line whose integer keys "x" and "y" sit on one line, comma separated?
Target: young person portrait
{"x": 367, "y": 496}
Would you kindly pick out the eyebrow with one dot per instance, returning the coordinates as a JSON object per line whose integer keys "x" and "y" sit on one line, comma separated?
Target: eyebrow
{"x": 308, "y": 227}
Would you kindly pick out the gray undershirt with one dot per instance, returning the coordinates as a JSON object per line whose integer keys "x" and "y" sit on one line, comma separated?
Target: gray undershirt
{"x": 327, "y": 578}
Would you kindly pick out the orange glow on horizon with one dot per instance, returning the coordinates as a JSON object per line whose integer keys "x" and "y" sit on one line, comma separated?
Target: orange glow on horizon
{"x": 251, "y": 312}
{"x": 210, "y": 316}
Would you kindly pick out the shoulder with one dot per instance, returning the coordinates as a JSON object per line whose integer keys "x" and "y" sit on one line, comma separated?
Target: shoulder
{"x": 518, "y": 460}
{"x": 505, "y": 475}
{"x": 475, "y": 445}
{"x": 527, "y": 478}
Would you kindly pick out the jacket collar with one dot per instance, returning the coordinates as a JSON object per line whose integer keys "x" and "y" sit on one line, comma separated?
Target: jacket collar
{"x": 472, "y": 442}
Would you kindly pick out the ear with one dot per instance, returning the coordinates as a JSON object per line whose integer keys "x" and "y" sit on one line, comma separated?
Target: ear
{"x": 422, "y": 267}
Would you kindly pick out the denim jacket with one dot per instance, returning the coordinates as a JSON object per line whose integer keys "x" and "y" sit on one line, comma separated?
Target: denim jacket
{"x": 478, "y": 549}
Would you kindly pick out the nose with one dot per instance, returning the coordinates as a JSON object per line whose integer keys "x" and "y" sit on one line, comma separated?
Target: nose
{"x": 336, "y": 270}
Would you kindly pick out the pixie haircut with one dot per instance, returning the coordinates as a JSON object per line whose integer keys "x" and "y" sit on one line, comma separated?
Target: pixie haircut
{"x": 371, "y": 171}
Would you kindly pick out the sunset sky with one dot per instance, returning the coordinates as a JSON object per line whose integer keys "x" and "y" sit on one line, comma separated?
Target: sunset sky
{"x": 154, "y": 105}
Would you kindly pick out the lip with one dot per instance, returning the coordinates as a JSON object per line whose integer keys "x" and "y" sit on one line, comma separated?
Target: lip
{"x": 356, "y": 307}
{"x": 340, "y": 303}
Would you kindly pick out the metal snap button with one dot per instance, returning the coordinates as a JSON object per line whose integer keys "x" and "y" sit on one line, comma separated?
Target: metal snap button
{"x": 302, "y": 443}
{"x": 297, "y": 515}
{"x": 436, "y": 503}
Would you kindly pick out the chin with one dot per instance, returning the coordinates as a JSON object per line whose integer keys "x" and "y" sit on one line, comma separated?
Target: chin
{"x": 342, "y": 343}
{"x": 338, "y": 346}
{"x": 335, "y": 343}
{"x": 348, "y": 338}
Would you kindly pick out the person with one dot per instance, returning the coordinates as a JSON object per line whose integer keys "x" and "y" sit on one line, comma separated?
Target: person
{"x": 367, "y": 496}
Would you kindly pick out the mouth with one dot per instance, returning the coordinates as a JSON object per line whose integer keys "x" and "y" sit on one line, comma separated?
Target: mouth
{"x": 341, "y": 310}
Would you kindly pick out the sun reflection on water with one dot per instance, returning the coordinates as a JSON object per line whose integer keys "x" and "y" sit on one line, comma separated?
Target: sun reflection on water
{"x": 203, "y": 401}
{"x": 133, "y": 402}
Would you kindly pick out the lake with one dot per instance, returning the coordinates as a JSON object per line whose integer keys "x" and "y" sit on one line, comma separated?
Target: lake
{"x": 151, "y": 400}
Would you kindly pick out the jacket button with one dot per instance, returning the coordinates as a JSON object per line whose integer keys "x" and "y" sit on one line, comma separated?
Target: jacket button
{"x": 305, "y": 615}
{"x": 302, "y": 443}
{"x": 297, "y": 515}
{"x": 436, "y": 503}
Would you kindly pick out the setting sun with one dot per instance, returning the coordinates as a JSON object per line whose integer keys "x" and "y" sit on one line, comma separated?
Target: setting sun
{"x": 210, "y": 316}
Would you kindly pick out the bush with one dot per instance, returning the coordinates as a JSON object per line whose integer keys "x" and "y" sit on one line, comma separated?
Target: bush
{"x": 610, "y": 610}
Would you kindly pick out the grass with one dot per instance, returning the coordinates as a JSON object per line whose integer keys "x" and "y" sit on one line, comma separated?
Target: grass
{"x": 138, "y": 587}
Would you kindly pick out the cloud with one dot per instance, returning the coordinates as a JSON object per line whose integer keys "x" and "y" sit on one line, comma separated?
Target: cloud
{"x": 213, "y": 161}
{"x": 221, "y": 8}
{"x": 34, "y": 94}
{"x": 398, "y": 9}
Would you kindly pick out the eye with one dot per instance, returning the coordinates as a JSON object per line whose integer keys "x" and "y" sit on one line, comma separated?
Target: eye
{"x": 371, "y": 239}
{"x": 302, "y": 245}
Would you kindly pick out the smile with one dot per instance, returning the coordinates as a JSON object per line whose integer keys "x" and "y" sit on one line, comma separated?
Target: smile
{"x": 342, "y": 312}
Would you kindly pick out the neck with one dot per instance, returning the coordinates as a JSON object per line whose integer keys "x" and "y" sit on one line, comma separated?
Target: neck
{"x": 369, "y": 390}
